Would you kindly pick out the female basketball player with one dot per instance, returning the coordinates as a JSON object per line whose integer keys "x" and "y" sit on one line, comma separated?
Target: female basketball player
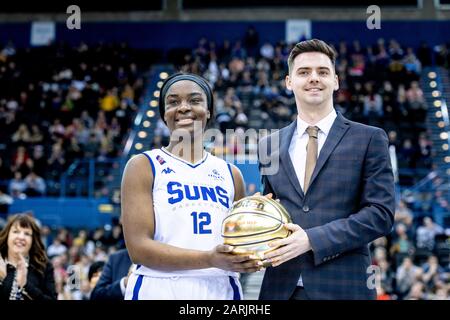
{"x": 173, "y": 202}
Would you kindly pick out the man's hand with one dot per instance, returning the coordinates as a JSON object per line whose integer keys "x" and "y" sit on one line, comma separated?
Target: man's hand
{"x": 290, "y": 247}
{"x": 269, "y": 195}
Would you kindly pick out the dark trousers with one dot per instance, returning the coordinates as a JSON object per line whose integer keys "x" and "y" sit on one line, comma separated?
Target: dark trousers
{"x": 299, "y": 294}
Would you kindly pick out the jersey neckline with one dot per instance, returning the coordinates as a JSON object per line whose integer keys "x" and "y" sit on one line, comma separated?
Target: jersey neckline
{"x": 192, "y": 165}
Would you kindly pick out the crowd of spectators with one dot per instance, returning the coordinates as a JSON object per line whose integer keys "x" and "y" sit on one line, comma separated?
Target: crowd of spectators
{"x": 59, "y": 104}
{"x": 379, "y": 85}
{"x": 78, "y": 257}
{"x": 413, "y": 262}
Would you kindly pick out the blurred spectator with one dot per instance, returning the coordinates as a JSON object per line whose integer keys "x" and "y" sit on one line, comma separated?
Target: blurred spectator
{"x": 403, "y": 214}
{"x": 36, "y": 135}
{"x": 267, "y": 51}
{"x": 56, "y": 248}
{"x": 406, "y": 275}
{"x": 25, "y": 273}
{"x": 416, "y": 292}
{"x": 94, "y": 273}
{"x": 35, "y": 185}
{"x": 114, "y": 277}
{"x": 39, "y": 160}
{"x": 17, "y": 186}
{"x": 426, "y": 234}
{"x": 251, "y": 41}
{"x": 5, "y": 171}
{"x": 5, "y": 201}
{"x": 402, "y": 246}
{"x": 22, "y": 135}
{"x": 432, "y": 272}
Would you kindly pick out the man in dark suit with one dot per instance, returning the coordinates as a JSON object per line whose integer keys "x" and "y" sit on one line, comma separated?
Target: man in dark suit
{"x": 114, "y": 277}
{"x": 334, "y": 177}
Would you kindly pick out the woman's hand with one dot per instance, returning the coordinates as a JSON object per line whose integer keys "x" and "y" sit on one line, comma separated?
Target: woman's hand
{"x": 2, "y": 268}
{"x": 22, "y": 272}
{"x": 222, "y": 258}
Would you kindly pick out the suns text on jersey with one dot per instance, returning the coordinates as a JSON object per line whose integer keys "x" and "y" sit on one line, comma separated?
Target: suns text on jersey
{"x": 180, "y": 192}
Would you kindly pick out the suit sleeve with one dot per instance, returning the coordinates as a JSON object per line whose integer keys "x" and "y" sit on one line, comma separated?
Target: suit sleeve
{"x": 377, "y": 203}
{"x": 106, "y": 288}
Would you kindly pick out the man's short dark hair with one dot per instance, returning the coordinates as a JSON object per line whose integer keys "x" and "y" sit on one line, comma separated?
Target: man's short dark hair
{"x": 313, "y": 45}
{"x": 95, "y": 267}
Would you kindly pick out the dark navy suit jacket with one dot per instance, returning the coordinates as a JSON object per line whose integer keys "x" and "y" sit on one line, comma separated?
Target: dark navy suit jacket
{"x": 350, "y": 202}
{"x": 108, "y": 286}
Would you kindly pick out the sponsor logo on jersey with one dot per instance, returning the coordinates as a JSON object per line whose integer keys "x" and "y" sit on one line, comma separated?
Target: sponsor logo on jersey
{"x": 167, "y": 170}
{"x": 216, "y": 175}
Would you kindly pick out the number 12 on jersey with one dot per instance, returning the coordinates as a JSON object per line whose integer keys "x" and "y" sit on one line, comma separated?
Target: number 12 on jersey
{"x": 201, "y": 221}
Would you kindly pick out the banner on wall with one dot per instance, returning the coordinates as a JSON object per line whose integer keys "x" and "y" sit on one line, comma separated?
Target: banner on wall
{"x": 42, "y": 33}
{"x": 297, "y": 30}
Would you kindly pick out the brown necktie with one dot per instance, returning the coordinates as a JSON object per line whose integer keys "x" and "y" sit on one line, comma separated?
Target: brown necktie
{"x": 311, "y": 154}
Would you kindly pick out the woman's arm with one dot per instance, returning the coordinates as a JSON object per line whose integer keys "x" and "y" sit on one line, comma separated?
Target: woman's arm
{"x": 139, "y": 227}
{"x": 239, "y": 184}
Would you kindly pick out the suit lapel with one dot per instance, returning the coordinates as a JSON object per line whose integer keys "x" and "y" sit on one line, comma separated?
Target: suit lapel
{"x": 337, "y": 131}
{"x": 285, "y": 159}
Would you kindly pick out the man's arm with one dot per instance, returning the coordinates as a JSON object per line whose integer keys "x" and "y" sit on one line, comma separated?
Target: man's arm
{"x": 239, "y": 183}
{"x": 376, "y": 217}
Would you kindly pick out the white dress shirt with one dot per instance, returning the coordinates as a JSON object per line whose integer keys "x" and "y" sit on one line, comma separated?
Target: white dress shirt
{"x": 297, "y": 148}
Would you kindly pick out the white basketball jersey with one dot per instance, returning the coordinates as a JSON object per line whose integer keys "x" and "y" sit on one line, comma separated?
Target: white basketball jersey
{"x": 190, "y": 202}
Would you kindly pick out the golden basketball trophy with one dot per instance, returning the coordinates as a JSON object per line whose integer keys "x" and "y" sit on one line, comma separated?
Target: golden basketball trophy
{"x": 253, "y": 222}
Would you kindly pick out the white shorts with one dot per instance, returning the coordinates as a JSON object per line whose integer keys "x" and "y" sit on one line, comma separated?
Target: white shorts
{"x": 140, "y": 287}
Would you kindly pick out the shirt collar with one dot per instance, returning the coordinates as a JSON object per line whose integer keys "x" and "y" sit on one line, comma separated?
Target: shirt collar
{"x": 324, "y": 125}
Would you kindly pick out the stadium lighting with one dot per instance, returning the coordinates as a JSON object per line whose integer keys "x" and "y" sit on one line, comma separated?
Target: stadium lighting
{"x": 437, "y": 103}
{"x": 150, "y": 113}
{"x": 146, "y": 124}
{"x": 432, "y": 75}
{"x": 142, "y": 134}
{"x": 163, "y": 75}
{"x": 138, "y": 146}
{"x": 433, "y": 84}
{"x": 438, "y": 114}
{"x": 436, "y": 93}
